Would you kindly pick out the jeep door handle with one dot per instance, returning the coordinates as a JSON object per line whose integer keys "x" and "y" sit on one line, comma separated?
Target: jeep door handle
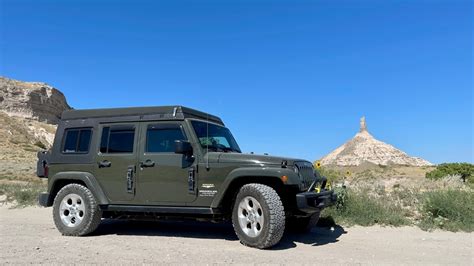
{"x": 105, "y": 164}
{"x": 147, "y": 163}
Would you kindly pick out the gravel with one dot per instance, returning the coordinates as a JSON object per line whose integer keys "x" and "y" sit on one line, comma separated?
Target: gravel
{"x": 28, "y": 235}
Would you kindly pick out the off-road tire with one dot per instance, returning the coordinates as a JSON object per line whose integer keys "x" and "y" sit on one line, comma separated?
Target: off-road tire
{"x": 273, "y": 213}
{"x": 92, "y": 214}
{"x": 303, "y": 224}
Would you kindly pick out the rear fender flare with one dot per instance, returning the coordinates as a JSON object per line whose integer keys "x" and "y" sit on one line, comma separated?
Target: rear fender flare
{"x": 87, "y": 178}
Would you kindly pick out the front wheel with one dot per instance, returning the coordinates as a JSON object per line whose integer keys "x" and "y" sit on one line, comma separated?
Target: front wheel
{"x": 75, "y": 211}
{"x": 258, "y": 216}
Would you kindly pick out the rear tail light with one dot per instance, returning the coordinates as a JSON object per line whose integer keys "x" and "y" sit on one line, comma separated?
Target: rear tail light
{"x": 45, "y": 169}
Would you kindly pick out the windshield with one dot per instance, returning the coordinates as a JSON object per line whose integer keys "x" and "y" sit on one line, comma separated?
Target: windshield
{"x": 214, "y": 137}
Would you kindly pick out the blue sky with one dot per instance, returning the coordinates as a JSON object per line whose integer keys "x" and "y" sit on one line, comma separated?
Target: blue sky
{"x": 288, "y": 77}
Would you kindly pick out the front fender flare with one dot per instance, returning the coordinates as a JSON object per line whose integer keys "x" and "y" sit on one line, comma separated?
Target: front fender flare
{"x": 86, "y": 177}
{"x": 270, "y": 172}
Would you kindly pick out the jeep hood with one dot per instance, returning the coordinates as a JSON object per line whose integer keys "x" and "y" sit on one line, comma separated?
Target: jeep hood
{"x": 241, "y": 158}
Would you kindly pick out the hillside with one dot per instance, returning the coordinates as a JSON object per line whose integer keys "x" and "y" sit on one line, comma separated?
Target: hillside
{"x": 28, "y": 113}
{"x": 20, "y": 140}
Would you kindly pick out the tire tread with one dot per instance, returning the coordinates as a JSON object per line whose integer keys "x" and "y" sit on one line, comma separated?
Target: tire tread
{"x": 95, "y": 213}
{"x": 276, "y": 219}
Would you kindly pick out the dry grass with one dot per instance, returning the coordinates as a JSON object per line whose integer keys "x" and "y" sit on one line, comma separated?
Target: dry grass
{"x": 21, "y": 194}
{"x": 399, "y": 199}
{"x": 20, "y": 140}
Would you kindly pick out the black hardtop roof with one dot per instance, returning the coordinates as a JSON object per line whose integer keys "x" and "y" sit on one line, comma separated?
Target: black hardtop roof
{"x": 151, "y": 112}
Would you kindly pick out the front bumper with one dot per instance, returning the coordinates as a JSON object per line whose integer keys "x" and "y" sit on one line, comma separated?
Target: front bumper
{"x": 311, "y": 202}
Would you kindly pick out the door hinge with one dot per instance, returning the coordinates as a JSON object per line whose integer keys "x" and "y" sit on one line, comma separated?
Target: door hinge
{"x": 191, "y": 180}
{"x": 130, "y": 179}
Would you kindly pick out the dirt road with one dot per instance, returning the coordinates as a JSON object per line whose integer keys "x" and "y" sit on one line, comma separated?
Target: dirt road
{"x": 29, "y": 236}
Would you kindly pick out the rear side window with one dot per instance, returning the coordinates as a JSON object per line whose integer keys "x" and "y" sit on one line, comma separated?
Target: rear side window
{"x": 77, "y": 140}
{"x": 117, "y": 139}
{"x": 161, "y": 139}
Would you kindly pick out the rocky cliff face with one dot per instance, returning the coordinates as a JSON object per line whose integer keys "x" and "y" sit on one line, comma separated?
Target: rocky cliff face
{"x": 364, "y": 148}
{"x": 28, "y": 112}
{"x": 35, "y": 100}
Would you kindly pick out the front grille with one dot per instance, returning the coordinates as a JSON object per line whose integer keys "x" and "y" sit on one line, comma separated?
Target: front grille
{"x": 307, "y": 173}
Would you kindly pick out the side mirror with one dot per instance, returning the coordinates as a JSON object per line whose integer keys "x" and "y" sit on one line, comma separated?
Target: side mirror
{"x": 183, "y": 147}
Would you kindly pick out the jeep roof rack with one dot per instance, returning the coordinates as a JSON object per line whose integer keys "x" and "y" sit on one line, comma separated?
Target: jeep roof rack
{"x": 152, "y": 112}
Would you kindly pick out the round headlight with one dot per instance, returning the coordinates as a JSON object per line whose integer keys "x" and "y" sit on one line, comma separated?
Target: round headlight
{"x": 297, "y": 170}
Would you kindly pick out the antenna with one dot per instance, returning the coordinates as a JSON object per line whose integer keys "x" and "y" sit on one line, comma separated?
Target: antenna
{"x": 207, "y": 141}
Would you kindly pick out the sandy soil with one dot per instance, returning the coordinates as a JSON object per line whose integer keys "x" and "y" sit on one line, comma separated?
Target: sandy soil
{"x": 29, "y": 236}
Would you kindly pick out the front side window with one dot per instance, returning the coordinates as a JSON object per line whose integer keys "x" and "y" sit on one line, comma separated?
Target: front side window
{"x": 117, "y": 139}
{"x": 162, "y": 139}
{"x": 77, "y": 140}
{"x": 215, "y": 137}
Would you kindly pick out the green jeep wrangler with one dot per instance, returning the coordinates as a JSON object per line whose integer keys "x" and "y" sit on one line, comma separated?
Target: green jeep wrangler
{"x": 162, "y": 162}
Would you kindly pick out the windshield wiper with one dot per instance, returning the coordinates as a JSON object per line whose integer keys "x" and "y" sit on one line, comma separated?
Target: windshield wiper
{"x": 212, "y": 148}
{"x": 228, "y": 149}
{"x": 221, "y": 149}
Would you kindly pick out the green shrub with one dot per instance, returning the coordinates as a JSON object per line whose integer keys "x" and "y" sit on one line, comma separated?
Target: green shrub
{"x": 40, "y": 145}
{"x": 14, "y": 141}
{"x": 330, "y": 174}
{"x": 6, "y": 177}
{"x": 448, "y": 209}
{"x": 22, "y": 194}
{"x": 362, "y": 208}
{"x": 465, "y": 170}
{"x": 30, "y": 149}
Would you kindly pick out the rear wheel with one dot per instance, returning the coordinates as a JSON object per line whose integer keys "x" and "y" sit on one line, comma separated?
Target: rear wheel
{"x": 75, "y": 211}
{"x": 258, "y": 216}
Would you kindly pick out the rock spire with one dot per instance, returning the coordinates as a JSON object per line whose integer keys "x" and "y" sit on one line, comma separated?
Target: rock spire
{"x": 364, "y": 148}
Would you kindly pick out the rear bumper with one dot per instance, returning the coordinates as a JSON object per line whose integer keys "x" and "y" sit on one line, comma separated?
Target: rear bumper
{"x": 311, "y": 202}
{"x": 44, "y": 200}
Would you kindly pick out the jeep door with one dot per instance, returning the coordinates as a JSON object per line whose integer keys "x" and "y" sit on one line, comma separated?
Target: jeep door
{"x": 164, "y": 177}
{"x": 116, "y": 160}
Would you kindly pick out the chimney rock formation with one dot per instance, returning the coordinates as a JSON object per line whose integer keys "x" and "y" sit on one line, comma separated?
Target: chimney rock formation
{"x": 364, "y": 148}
